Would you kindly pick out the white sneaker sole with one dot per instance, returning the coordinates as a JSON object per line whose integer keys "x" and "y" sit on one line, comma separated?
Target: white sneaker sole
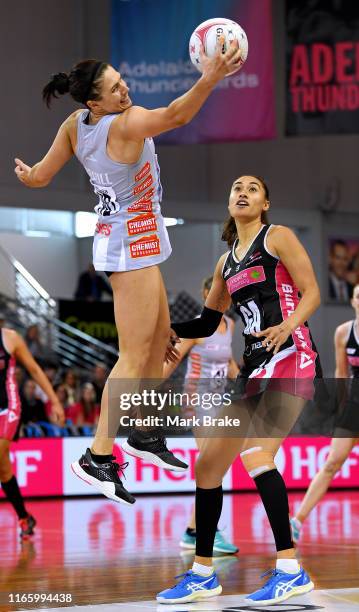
{"x": 295, "y": 592}
{"x": 106, "y": 488}
{"x": 151, "y": 457}
{"x": 225, "y": 551}
{"x": 197, "y": 595}
{"x": 187, "y": 546}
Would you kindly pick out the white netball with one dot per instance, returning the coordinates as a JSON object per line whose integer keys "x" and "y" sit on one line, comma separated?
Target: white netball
{"x": 208, "y": 33}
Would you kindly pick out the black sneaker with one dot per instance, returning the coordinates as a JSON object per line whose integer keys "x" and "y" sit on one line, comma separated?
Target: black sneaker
{"x": 104, "y": 477}
{"x": 151, "y": 446}
{"x": 27, "y": 527}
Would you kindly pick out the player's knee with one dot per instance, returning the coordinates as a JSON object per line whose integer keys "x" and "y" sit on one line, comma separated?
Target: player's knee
{"x": 207, "y": 469}
{"x": 256, "y": 461}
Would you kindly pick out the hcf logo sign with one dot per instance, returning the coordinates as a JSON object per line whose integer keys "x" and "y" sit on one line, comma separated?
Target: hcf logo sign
{"x": 27, "y": 462}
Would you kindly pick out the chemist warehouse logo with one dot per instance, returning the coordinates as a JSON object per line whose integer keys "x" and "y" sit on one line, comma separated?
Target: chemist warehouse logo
{"x": 141, "y": 224}
{"x": 145, "y": 247}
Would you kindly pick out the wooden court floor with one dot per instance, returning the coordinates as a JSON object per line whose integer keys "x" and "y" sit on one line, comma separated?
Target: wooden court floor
{"x": 99, "y": 552}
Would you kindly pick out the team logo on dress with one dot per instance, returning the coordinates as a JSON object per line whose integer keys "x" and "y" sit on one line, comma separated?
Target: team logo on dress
{"x": 244, "y": 278}
{"x": 107, "y": 201}
{"x": 143, "y": 186}
{"x": 141, "y": 224}
{"x": 145, "y": 247}
{"x": 227, "y": 272}
{"x": 254, "y": 256}
{"x": 142, "y": 173}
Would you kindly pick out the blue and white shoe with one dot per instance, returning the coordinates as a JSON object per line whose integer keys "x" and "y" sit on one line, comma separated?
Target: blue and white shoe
{"x": 193, "y": 587}
{"x": 296, "y": 527}
{"x": 280, "y": 587}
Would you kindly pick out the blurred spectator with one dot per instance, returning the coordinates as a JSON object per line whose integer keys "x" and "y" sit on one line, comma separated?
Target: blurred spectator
{"x": 353, "y": 275}
{"x": 91, "y": 286}
{"x": 340, "y": 289}
{"x": 19, "y": 376}
{"x": 61, "y": 393}
{"x": 32, "y": 339}
{"x": 99, "y": 377}
{"x": 72, "y": 386}
{"x": 33, "y": 409}
{"x": 51, "y": 373}
{"x": 87, "y": 410}
{"x": 2, "y": 320}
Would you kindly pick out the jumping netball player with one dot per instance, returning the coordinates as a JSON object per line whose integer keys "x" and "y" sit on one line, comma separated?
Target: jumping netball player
{"x": 262, "y": 274}
{"x": 12, "y": 349}
{"x": 113, "y": 141}
{"x": 346, "y": 340}
{"x": 210, "y": 364}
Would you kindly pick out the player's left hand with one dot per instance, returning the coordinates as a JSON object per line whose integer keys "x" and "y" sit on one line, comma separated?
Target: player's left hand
{"x": 57, "y": 413}
{"x": 274, "y": 336}
{"x": 22, "y": 171}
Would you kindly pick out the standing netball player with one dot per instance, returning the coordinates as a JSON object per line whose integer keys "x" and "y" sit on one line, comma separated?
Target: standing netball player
{"x": 113, "y": 141}
{"x": 210, "y": 364}
{"x": 270, "y": 279}
{"x": 12, "y": 349}
{"x": 346, "y": 341}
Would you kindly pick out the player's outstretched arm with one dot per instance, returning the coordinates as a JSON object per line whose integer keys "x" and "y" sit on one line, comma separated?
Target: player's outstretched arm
{"x": 22, "y": 354}
{"x": 139, "y": 123}
{"x": 43, "y": 172}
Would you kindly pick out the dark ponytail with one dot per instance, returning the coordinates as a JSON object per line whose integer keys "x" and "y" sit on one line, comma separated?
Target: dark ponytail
{"x": 59, "y": 84}
{"x": 83, "y": 83}
{"x": 229, "y": 233}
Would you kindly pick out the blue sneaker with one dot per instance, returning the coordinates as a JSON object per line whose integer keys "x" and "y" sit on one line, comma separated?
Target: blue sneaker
{"x": 281, "y": 586}
{"x": 222, "y": 546}
{"x": 296, "y": 527}
{"x": 192, "y": 588}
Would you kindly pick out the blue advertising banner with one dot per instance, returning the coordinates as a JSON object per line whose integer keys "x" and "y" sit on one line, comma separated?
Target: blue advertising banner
{"x": 150, "y": 49}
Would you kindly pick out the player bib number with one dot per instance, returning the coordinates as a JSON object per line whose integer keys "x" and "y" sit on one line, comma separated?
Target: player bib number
{"x": 107, "y": 204}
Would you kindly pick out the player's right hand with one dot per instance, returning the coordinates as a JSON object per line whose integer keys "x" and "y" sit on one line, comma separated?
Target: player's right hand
{"x": 217, "y": 67}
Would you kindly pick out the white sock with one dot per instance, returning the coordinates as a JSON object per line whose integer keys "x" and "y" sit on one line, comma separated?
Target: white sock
{"x": 202, "y": 570}
{"x": 289, "y": 566}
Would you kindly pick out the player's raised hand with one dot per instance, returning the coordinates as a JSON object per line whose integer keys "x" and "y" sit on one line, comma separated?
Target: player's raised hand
{"x": 223, "y": 62}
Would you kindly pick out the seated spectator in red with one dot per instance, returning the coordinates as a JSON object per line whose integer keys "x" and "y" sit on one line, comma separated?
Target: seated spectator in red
{"x": 86, "y": 411}
{"x": 33, "y": 409}
{"x": 61, "y": 393}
